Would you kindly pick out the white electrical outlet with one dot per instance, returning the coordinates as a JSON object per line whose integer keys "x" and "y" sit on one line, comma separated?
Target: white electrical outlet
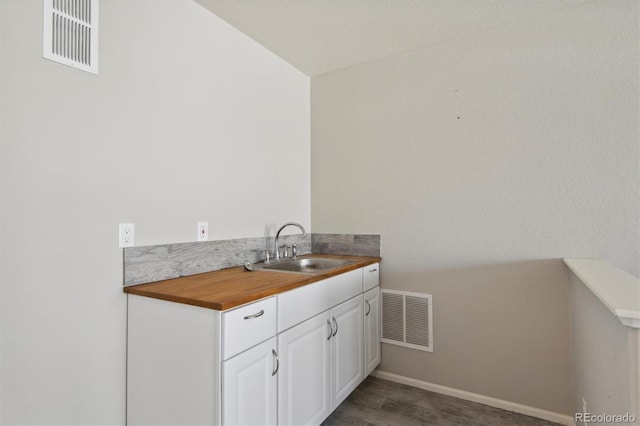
{"x": 203, "y": 231}
{"x": 126, "y": 235}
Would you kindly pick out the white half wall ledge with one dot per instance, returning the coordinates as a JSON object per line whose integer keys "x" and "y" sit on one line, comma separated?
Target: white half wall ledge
{"x": 618, "y": 290}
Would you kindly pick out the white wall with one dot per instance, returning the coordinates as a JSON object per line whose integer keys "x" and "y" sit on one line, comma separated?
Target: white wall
{"x": 482, "y": 161}
{"x": 188, "y": 121}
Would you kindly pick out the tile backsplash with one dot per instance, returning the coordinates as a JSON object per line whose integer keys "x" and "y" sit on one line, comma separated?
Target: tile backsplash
{"x": 351, "y": 244}
{"x": 160, "y": 262}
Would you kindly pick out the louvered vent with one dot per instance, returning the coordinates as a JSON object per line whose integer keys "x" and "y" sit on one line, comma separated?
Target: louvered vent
{"x": 407, "y": 319}
{"x": 70, "y": 33}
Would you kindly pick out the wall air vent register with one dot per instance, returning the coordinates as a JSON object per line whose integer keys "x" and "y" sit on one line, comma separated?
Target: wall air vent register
{"x": 70, "y": 33}
{"x": 407, "y": 319}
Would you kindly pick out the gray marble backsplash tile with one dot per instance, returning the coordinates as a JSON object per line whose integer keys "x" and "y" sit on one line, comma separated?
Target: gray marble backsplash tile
{"x": 155, "y": 263}
{"x": 348, "y": 244}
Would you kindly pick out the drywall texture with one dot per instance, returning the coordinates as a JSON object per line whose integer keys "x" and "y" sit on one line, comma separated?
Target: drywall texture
{"x": 605, "y": 357}
{"x": 477, "y": 161}
{"x": 185, "y": 122}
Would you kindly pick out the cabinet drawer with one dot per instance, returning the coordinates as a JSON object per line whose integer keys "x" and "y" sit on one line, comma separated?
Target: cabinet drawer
{"x": 247, "y": 326}
{"x": 305, "y": 302}
{"x": 370, "y": 276}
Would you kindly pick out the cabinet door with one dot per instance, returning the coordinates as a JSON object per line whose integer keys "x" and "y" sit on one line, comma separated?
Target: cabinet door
{"x": 250, "y": 386}
{"x": 371, "y": 330}
{"x": 303, "y": 379}
{"x": 346, "y": 349}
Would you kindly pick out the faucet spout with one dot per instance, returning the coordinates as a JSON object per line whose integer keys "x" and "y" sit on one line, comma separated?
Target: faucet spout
{"x": 276, "y": 253}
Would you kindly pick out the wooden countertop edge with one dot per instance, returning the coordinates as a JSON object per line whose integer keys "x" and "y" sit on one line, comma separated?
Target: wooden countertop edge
{"x": 206, "y": 284}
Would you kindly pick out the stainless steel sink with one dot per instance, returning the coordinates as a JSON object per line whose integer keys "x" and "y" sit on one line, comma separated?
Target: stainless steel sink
{"x": 306, "y": 265}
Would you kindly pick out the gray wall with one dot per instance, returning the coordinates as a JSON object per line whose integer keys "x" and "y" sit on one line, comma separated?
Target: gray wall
{"x": 482, "y": 161}
{"x": 183, "y": 124}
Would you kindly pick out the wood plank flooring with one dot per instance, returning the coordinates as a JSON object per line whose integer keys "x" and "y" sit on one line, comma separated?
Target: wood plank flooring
{"x": 378, "y": 402}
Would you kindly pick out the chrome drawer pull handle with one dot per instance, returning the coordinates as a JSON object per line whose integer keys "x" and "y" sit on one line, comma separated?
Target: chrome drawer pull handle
{"x": 368, "y": 306}
{"x": 277, "y": 362}
{"x": 330, "y": 330}
{"x": 256, "y": 315}
{"x": 336, "y": 323}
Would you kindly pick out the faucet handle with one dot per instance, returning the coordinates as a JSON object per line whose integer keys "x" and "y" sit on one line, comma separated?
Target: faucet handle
{"x": 287, "y": 252}
{"x": 294, "y": 251}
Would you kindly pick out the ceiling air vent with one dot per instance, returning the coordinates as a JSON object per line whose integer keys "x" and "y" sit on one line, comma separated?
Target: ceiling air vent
{"x": 407, "y": 319}
{"x": 70, "y": 33}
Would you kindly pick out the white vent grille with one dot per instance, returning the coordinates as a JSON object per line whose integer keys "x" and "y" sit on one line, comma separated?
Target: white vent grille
{"x": 407, "y": 319}
{"x": 70, "y": 33}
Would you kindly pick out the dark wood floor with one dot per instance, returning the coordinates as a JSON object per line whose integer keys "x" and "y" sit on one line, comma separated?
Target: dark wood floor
{"x": 380, "y": 402}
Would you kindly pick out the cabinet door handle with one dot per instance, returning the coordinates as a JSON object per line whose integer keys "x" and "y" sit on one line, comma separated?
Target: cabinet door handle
{"x": 256, "y": 315}
{"x": 330, "y": 330}
{"x": 373, "y": 270}
{"x": 369, "y": 308}
{"x": 276, "y": 362}
{"x": 336, "y": 323}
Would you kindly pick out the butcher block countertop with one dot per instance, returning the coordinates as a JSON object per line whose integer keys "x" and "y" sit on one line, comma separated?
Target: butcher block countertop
{"x": 228, "y": 288}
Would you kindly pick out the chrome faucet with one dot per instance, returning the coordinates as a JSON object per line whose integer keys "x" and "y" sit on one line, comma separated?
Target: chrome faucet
{"x": 276, "y": 253}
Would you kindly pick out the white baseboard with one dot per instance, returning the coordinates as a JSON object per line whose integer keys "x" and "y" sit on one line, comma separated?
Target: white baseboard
{"x": 482, "y": 399}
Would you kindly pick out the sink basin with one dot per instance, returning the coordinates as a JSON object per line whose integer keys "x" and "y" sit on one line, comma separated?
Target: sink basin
{"x": 307, "y": 265}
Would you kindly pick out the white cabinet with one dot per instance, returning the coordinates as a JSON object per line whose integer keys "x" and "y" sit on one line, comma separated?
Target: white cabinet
{"x": 172, "y": 363}
{"x": 347, "y": 370}
{"x": 249, "y": 368}
{"x": 305, "y": 302}
{"x": 174, "y": 360}
{"x": 248, "y": 325}
{"x": 321, "y": 364}
{"x": 370, "y": 277}
{"x": 372, "y": 330}
{"x": 304, "y": 376}
{"x": 288, "y": 359}
{"x": 250, "y": 386}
